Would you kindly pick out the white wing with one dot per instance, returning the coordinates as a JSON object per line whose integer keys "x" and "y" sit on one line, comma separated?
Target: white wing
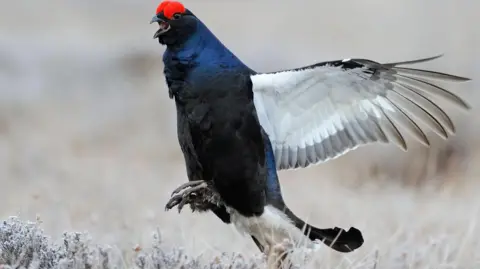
{"x": 319, "y": 112}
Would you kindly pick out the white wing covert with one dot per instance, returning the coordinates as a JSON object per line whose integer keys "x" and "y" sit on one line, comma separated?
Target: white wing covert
{"x": 319, "y": 112}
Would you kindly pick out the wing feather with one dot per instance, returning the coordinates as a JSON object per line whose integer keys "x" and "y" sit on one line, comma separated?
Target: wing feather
{"x": 319, "y": 112}
{"x": 408, "y": 123}
{"x": 432, "y": 110}
{"x": 433, "y": 90}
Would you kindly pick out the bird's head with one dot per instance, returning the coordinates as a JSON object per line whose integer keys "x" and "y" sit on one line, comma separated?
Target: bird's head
{"x": 176, "y": 23}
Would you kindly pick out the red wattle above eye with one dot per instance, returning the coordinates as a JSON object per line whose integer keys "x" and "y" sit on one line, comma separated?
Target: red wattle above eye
{"x": 172, "y": 8}
{"x": 162, "y": 6}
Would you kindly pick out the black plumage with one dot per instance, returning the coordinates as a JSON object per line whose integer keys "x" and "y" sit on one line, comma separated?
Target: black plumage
{"x": 219, "y": 132}
{"x": 221, "y": 139}
{"x": 237, "y": 127}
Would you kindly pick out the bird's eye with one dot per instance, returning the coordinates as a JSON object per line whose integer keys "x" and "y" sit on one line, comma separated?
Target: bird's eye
{"x": 177, "y": 16}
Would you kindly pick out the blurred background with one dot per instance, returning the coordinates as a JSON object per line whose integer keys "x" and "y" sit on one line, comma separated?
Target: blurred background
{"x": 88, "y": 134}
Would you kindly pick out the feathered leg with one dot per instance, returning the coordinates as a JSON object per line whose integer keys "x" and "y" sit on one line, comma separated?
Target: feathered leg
{"x": 202, "y": 199}
{"x": 198, "y": 194}
{"x": 187, "y": 193}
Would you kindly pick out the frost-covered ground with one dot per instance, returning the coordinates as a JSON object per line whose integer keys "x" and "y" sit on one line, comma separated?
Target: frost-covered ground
{"x": 88, "y": 142}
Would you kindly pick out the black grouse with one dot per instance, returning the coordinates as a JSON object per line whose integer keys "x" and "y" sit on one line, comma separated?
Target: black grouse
{"x": 237, "y": 127}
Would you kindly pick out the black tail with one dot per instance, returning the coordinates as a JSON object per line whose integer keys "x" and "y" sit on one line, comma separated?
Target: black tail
{"x": 336, "y": 238}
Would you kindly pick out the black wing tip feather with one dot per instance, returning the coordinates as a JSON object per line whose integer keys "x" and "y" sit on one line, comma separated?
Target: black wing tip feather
{"x": 422, "y": 60}
{"x": 458, "y": 100}
{"x": 435, "y": 74}
{"x": 353, "y": 63}
{"x": 466, "y": 106}
{"x": 428, "y": 74}
{"x": 396, "y": 65}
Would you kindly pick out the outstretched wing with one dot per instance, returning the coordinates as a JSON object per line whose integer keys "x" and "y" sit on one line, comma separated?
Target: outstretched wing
{"x": 319, "y": 112}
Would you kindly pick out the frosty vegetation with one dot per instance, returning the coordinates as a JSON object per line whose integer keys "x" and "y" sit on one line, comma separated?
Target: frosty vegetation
{"x": 24, "y": 245}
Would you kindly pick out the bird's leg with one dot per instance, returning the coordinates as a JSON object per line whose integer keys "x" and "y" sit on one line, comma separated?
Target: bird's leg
{"x": 196, "y": 193}
{"x": 206, "y": 200}
{"x": 185, "y": 194}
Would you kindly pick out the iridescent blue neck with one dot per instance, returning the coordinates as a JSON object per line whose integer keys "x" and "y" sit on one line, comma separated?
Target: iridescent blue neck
{"x": 204, "y": 48}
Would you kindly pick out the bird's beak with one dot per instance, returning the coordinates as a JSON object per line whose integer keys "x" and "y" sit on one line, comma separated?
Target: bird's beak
{"x": 164, "y": 26}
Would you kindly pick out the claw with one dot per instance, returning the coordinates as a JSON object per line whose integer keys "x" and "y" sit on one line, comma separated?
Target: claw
{"x": 183, "y": 202}
{"x": 186, "y": 185}
{"x": 185, "y": 197}
{"x": 175, "y": 200}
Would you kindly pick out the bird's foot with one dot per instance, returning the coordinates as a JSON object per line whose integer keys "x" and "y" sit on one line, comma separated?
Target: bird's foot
{"x": 192, "y": 192}
{"x": 190, "y": 184}
{"x": 277, "y": 254}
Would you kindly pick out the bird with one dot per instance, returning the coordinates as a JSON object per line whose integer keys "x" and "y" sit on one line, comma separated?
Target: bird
{"x": 238, "y": 127}
{"x": 217, "y": 127}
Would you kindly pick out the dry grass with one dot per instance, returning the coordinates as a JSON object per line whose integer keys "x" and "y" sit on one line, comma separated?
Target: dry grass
{"x": 88, "y": 142}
